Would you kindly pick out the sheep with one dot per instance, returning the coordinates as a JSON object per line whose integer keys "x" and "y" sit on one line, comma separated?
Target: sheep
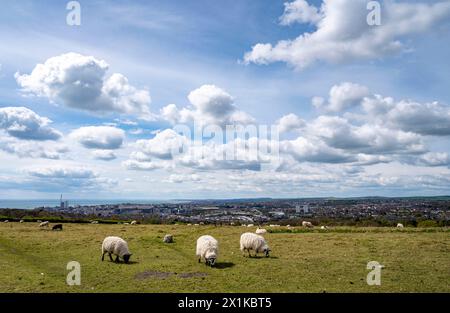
{"x": 272, "y": 225}
{"x": 118, "y": 247}
{"x": 250, "y": 225}
{"x": 251, "y": 241}
{"x": 260, "y": 231}
{"x": 323, "y": 227}
{"x": 307, "y": 224}
{"x": 208, "y": 249}
{"x": 94, "y": 222}
{"x": 6, "y": 221}
{"x": 400, "y": 225}
{"x": 57, "y": 227}
{"x": 133, "y": 223}
{"x": 44, "y": 224}
{"x": 168, "y": 238}
{"x": 22, "y": 221}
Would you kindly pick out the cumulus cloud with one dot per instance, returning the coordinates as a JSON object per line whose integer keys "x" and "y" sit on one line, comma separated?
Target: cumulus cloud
{"x": 165, "y": 145}
{"x": 345, "y": 95}
{"x": 80, "y": 82}
{"x": 32, "y": 149}
{"x": 210, "y": 105}
{"x": 23, "y": 123}
{"x": 99, "y": 137}
{"x": 289, "y": 123}
{"x": 343, "y": 34}
{"x": 435, "y": 159}
{"x": 299, "y": 11}
{"x": 62, "y": 172}
{"x": 104, "y": 155}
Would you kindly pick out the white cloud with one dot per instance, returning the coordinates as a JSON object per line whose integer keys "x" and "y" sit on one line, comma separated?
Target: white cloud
{"x": 99, "y": 137}
{"x": 289, "y": 123}
{"x": 104, "y": 155}
{"x": 32, "y": 149}
{"x": 211, "y": 105}
{"x": 435, "y": 159}
{"x": 80, "y": 82}
{"x": 345, "y": 95}
{"x": 299, "y": 11}
{"x": 23, "y": 123}
{"x": 62, "y": 172}
{"x": 165, "y": 145}
{"x": 342, "y": 34}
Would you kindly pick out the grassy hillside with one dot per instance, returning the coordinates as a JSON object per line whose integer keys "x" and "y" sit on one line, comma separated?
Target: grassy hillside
{"x": 34, "y": 260}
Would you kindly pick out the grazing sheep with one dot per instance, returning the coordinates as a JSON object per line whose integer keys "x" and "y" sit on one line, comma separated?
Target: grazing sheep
{"x": 189, "y": 224}
{"x": 251, "y": 241}
{"x": 400, "y": 225}
{"x": 44, "y": 224}
{"x": 168, "y": 238}
{"x": 271, "y": 225}
{"x": 133, "y": 223}
{"x": 323, "y": 227}
{"x": 260, "y": 231}
{"x": 117, "y": 246}
{"x": 250, "y": 225}
{"x": 57, "y": 227}
{"x": 307, "y": 224}
{"x": 21, "y": 221}
{"x": 208, "y": 249}
{"x": 126, "y": 223}
{"x": 196, "y": 224}
{"x": 6, "y": 221}
{"x": 94, "y": 222}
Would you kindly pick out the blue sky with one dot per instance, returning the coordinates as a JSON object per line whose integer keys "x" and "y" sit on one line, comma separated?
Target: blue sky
{"x": 168, "y": 49}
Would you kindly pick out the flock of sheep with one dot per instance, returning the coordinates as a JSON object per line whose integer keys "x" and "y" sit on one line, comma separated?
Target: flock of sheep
{"x": 207, "y": 247}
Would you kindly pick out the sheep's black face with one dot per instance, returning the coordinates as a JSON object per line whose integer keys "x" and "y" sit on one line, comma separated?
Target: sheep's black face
{"x": 266, "y": 252}
{"x": 211, "y": 261}
{"x": 126, "y": 258}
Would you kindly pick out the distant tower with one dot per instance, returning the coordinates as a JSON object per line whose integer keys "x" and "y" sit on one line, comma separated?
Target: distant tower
{"x": 61, "y": 202}
{"x": 306, "y": 208}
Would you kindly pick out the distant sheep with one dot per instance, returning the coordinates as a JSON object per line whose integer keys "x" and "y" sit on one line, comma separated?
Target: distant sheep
{"x": 323, "y": 227}
{"x": 400, "y": 225}
{"x": 307, "y": 224}
{"x": 6, "y": 221}
{"x": 272, "y": 225}
{"x": 44, "y": 224}
{"x": 21, "y": 221}
{"x": 133, "y": 223}
{"x": 250, "y": 225}
{"x": 168, "y": 238}
{"x": 208, "y": 249}
{"x": 57, "y": 227}
{"x": 260, "y": 231}
{"x": 118, "y": 247}
{"x": 94, "y": 222}
{"x": 251, "y": 241}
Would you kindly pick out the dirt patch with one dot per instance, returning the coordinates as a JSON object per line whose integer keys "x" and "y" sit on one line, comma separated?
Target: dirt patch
{"x": 164, "y": 275}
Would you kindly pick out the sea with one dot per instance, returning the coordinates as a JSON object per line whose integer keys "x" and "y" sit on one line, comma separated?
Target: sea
{"x": 38, "y": 203}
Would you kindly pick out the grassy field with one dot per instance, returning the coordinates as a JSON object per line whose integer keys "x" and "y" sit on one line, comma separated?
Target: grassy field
{"x": 34, "y": 260}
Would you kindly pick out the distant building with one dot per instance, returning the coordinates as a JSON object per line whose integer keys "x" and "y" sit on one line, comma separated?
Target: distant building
{"x": 63, "y": 204}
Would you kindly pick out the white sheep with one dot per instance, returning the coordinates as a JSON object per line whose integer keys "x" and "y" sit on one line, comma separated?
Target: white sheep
{"x": 400, "y": 225}
{"x": 168, "y": 238}
{"x": 260, "y": 231}
{"x": 208, "y": 249}
{"x": 21, "y": 221}
{"x": 6, "y": 221}
{"x": 307, "y": 224}
{"x": 272, "y": 225}
{"x": 251, "y": 241}
{"x": 250, "y": 225}
{"x": 94, "y": 222}
{"x": 133, "y": 223}
{"x": 44, "y": 224}
{"x": 323, "y": 227}
{"x": 117, "y": 246}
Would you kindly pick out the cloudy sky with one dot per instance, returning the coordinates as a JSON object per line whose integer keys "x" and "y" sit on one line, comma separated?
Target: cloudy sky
{"x": 133, "y": 103}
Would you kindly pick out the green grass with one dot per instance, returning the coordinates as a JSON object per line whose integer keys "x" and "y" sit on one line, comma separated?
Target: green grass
{"x": 415, "y": 260}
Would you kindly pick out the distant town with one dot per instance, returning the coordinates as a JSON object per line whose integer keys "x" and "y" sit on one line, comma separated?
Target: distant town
{"x": 376, "y": 211}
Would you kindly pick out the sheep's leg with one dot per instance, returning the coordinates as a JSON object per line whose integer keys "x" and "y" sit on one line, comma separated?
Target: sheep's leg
{"x": 103, "y": 256}
{"x": 199, "y": 259}
{"x": 117, "y": 259}
{"x": 110, "y": 257}
{"x": 249, "y": 255}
